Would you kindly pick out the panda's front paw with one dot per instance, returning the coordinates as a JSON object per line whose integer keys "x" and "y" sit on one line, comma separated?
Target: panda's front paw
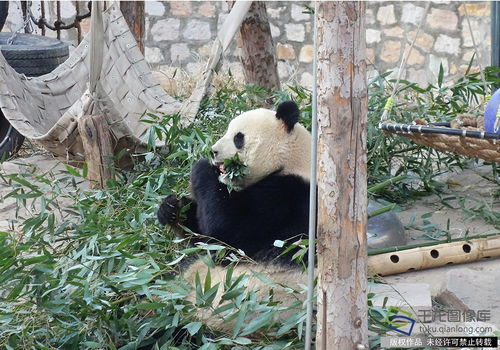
{"x": 169, "y": 211}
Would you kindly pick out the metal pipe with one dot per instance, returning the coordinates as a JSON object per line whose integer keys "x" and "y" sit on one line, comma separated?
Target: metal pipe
{"x": 495, "y": 35}
{"x": 423, "y": 129}
{"x": 312, "y": 191}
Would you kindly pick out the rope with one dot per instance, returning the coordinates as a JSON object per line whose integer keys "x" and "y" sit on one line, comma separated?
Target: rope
{"x": 312, "y": 189}
{"x": 402, "y": 65}
{"x": 25, "y": 24}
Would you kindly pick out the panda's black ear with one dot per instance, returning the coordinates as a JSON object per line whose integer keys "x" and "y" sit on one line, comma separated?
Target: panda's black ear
{"x": 288, "y": 112}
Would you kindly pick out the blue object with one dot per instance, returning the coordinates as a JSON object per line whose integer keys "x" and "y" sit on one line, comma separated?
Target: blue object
{"x": 490, "y": 114}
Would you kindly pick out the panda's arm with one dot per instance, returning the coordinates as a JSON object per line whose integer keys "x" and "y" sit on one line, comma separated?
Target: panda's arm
{"x": 205, "y": 184}
{"x": 218, "y": 210}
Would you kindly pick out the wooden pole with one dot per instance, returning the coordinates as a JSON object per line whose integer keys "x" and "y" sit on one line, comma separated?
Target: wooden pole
{"x": 342, "y": 187}
{"x": 133, "y": 12}
{"x": 98, "y": 147}
{"x": 259, "y": 64}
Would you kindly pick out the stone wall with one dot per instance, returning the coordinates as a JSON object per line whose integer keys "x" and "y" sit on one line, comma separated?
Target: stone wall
{"x": 444, "y": 39}
{"x": 179, "y": 35}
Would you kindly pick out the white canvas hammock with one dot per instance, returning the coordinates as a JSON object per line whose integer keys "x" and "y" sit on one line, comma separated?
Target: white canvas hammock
{"x": 47, "y": 108}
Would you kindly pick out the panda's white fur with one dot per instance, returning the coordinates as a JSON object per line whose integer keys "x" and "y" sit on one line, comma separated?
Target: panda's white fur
{"x": 268, "y": 146}
{"x": 288, "y": 288}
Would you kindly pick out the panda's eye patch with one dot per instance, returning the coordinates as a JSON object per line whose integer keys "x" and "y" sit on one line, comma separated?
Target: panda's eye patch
{"x": 239, "y": 140}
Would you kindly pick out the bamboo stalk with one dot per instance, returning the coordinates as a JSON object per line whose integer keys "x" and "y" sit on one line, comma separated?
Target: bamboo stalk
{"x": 434, "y": 256}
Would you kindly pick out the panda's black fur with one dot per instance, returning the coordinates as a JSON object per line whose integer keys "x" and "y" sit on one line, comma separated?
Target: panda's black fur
{"x": 273, "y": 208}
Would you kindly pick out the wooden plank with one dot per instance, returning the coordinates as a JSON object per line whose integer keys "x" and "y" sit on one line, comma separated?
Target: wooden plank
{"x": 342, "y": 188}
{"x": 98, "y": 147}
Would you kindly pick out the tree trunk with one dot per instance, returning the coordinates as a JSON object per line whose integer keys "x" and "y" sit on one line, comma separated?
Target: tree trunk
{"x": 259, "y": 65}
{"x": 342, "y": 188}
{"x": 133, "y": 11}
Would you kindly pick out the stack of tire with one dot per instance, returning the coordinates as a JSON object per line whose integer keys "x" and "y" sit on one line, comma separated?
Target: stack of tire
{"x": 32, "y": 55}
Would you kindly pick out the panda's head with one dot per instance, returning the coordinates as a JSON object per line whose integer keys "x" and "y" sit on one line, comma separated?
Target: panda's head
{"x": 266, "y": 142}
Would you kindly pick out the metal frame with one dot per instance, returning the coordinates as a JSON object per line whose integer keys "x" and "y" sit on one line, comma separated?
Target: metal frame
{"x": 58, "y": 24}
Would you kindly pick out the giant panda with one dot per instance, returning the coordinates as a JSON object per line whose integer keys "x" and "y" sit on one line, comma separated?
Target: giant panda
{"x": 272, "y": 202}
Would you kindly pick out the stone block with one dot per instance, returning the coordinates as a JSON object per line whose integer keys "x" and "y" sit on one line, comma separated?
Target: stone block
{"x": 410, "y": 297}
{"x": 285, "y": 52}
{"x": 442, "y": 19}
{"x": 153, "y": 55}
{"x": 372, "y": 36}
{"x": 476, "y": 9}
{"x": 181, "y": 8}
{"x": 197, "y": 30}
{"x": 298, "y": 15}
{"x": 295, "y": 32}
{"x": 179, "y": 52}
{"x": 395, "y": 32}
{"x": 391, "y": 51}
{"x": 424, "y": 40}
{"x": 448, "y": 45}
{"x": 306, "y": 54}
{"x": 284, "y": 69}
{"x": 275, "y": 12}
{"x": 154, "y": 8}
{"x": 207, "y": 9}
{"x": 306, "y": 80}
{"x": 468, "y": 55}
{"x": 412, "y": 14}
{"x": 385, "y": 15}
{"x": 415, "y": 58}
{"x": 275, "y": 31}
{"x": 166, "y": 29}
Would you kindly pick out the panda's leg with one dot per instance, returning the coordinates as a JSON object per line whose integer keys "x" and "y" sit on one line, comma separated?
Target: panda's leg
{"x": 175, "y": 212}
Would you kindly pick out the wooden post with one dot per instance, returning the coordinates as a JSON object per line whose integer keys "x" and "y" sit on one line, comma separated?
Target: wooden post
{"x": 342, "y": 188}
{"x": 133, "y": 12}
{"x": 259, "y": 64}
{"x": 98, "y": 148}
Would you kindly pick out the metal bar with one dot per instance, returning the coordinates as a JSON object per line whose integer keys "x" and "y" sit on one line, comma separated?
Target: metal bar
{"x": 495, "y": 34}
{"x": 77, "y": 23}
{"x": 423, "y": 129}
{"x": 312, "y": 192}
{"x": 58, "y": 21}
{"x": 42, "y": 24}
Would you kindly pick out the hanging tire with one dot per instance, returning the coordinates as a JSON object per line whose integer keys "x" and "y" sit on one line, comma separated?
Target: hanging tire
{"x": 32, "y": 55}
